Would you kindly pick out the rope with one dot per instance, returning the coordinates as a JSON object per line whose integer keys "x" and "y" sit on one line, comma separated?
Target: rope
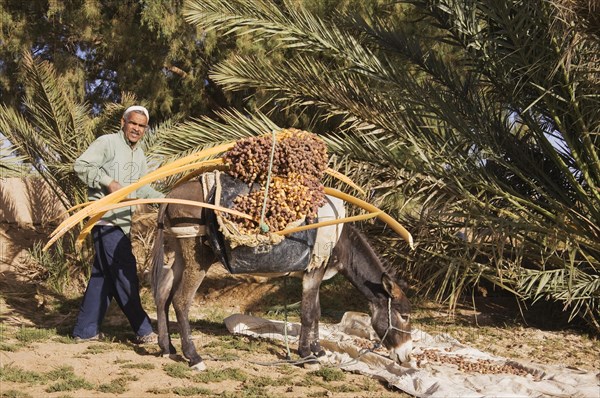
{"x": 376, "y": 345}
{"x": 285, "y": 319}
{"x": 311, "y": 358}
{"x": 390, "y": 326}
{"x": 264, "y": 227}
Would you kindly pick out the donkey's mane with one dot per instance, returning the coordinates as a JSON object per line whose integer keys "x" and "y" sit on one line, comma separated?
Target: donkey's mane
{"x": 360, "y": 236}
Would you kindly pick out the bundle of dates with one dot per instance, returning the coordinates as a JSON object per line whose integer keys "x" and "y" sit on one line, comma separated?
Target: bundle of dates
{"x": 295, "y": 171}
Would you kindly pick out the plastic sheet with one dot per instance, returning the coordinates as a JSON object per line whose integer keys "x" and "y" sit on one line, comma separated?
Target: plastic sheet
{"x": 344, "y": 342}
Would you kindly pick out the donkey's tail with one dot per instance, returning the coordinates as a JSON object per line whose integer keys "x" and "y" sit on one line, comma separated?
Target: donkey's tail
{"x": 158, "y": 252}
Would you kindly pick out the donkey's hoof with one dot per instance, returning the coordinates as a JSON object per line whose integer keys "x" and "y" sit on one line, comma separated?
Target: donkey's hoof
{"x": 199, "y": 367}
{"x": 320, "y": 353}
{"x": 169, "y": 354}
{"x": 173, "y": 355}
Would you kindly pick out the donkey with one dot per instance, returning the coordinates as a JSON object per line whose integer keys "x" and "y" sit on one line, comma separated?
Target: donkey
{"x": 351, "y": 256}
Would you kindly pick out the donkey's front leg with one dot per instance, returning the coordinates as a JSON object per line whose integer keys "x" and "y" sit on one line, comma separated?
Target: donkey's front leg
{"x": 311, "y": 313}
{"x": 194, "y": 270}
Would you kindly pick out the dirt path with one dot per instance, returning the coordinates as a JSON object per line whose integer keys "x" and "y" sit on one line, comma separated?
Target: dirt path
{"x": 237, "y": 365}
{"x": 37, "y": 357}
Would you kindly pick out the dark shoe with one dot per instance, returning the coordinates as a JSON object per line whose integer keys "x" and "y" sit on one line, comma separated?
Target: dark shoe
{"x": 97, "y": 337}
{"x": 151, "y": 338}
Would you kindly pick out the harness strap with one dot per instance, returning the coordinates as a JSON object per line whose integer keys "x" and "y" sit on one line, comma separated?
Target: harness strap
{"x": 390, "y": 326}
{"x": 186, "y": 232}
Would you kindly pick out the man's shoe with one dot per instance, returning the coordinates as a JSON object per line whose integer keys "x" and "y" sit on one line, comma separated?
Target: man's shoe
{"x": 97, "y": 337}
{"x": 151, "y": 338}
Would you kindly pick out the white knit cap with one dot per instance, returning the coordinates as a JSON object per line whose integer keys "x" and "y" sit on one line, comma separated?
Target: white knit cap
{"x": 138, "y": 108}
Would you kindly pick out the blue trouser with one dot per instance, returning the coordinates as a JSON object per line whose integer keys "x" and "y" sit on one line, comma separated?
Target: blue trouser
{"x": 114, "y": 274}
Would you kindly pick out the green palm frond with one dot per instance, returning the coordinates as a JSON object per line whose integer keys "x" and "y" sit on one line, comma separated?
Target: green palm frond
{"x": 293, "y": 29}
{"x": 570, "y": 285}
{"x": 199, "y": 134}
{"x": 171, "y": 141}
{"x": 488, "y": 127}
{"x": 52, "y": 131}
{"x": 12, "y": 165}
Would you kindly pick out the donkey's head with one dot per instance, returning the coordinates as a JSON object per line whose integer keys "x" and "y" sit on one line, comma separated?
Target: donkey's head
{"x": 391, "y": 320}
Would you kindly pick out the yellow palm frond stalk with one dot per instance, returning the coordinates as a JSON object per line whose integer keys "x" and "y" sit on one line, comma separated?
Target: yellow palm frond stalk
{"x": 344, "y": 220}
{"x": 97, "y": 216}
{"x": 98, "y": 208}
{"x": 345, "y": 179}
{"x": 115, "y": 197}
{"x": 386, "y": 218}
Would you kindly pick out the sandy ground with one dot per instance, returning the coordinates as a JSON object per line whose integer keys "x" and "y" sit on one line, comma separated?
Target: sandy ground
{"x": 144, "y": 373}
{"x": 24, "y": 304}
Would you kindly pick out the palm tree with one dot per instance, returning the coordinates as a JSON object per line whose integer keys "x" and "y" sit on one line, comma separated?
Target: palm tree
{"x": 53, "y": 127}
{"x": 50, "y": 130}
{"x": 46, "y": 134}
{"x": 481, "y": 136}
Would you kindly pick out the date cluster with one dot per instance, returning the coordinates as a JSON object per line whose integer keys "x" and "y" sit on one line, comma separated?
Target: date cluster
{"x": 295, "y": 188}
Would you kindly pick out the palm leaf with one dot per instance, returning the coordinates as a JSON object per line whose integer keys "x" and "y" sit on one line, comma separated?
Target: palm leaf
{"x": 10, "y": 164}
{"x": 490, "y": 126}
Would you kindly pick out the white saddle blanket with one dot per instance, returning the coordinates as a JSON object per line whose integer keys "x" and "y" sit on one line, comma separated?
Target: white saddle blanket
{"x": 327, "y": 237}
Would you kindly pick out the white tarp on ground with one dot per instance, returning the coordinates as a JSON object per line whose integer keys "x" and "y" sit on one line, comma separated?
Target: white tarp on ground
{"x": 447, "y": 373}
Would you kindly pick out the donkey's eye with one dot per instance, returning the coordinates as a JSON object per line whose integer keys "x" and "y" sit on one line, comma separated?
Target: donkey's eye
{"x": 405, "y": 317}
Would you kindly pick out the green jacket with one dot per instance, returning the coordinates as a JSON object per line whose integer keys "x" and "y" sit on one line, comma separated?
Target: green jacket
{"x": 110, "y": 158}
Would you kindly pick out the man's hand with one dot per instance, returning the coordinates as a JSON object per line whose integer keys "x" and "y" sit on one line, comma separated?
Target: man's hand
{"x": 113, "y": 186}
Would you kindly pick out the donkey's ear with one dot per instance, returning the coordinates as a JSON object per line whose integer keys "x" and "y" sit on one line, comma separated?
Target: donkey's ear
{"x": 391, "y": 287}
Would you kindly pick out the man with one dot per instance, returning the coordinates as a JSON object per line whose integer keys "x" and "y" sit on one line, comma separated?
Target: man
{"x": 111, "y": 162}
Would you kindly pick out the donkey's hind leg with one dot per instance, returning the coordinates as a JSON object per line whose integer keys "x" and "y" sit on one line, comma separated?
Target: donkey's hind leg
{"x": 195, "y": 266}
{"x": 168, "y": 280}
{"x": 168, "y": 277}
